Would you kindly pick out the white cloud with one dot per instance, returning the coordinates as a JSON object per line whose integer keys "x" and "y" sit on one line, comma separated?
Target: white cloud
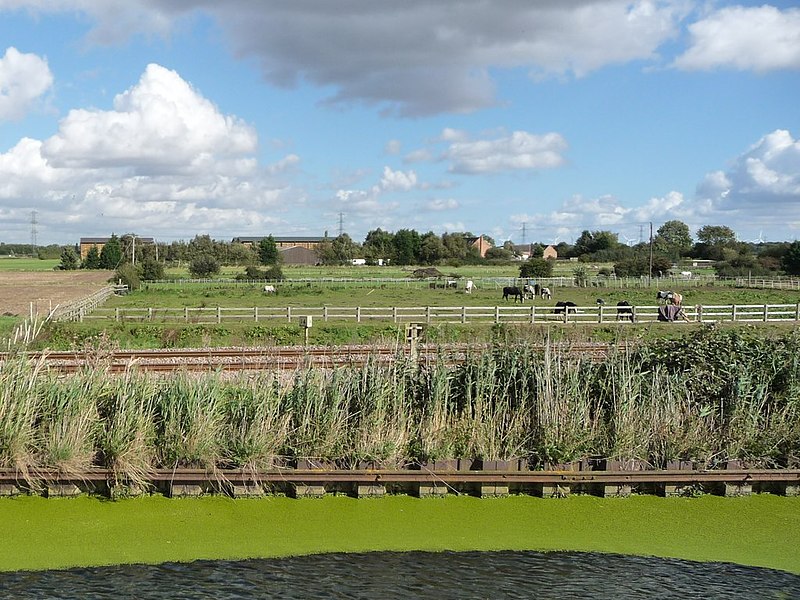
{"x": 160, "y": 125}
{"x": 764, "y": 179}
{"x": 164, "y": 159}
{"x": 519, "y": 151}
{"x": 393, "y": 147}
{"x": 398, "y": 180}
{"x": 440, "y": 204}
{"x": 761, "y": 38}
{"x": 417, "y": 59}
{"x": 24, "y": 78}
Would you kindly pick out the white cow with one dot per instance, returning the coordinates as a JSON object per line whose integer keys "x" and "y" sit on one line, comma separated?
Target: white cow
{"x": 269, "y": 289}
{"x": 469, "y": 286}
{"x": 546, "y": 293}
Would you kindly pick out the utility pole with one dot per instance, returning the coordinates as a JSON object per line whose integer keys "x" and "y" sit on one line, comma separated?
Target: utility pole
{"x": 34, "y": 232}
{"x": 650, "y": 272}
{"x": 133, "y": 250}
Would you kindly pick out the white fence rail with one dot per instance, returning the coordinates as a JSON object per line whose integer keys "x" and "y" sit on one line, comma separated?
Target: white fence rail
{"x": 743, "y": 313}
{"x": 77, "y": 310}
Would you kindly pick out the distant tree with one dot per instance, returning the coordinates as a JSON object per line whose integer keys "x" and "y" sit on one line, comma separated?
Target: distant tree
{"x": 111, "y": 254}
{"x": 673, "y": 239}
{"x": 151, "y": 269}
{"x": 204, "y": 266}
{"x": 499, "y": 253}
{"x": 128, "y": 275}
{"x": 791, "y": 260}
{"x": 716, "y": 235}
{"x": 69, "y": 260}
{"x": 274, "y": 272}
{"x": 431, "y": 249}
{"x": 241, "y": 254}
{"x": 378, "y": 245}
{"x": 581, "y": 276}
{"x": 92, "y": 260}
{"x": 639, "y": 265}
{"x": 536, "y": 267}
{"x": 344, "y": 249}
{"x": 455, "y": 245}
{"x": 268, "y": 253}
{"x": 406, "y": 244}
{"x": 590, "y": 242}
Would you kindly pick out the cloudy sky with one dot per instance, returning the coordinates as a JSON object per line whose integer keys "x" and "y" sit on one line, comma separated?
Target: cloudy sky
{"x": 523, "y": 120}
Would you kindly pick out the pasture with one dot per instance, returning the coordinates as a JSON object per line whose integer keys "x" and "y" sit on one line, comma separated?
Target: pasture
{"x": 9, "y": 263}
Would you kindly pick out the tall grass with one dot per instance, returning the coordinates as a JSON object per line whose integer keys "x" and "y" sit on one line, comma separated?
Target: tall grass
{"x": 711, "y": 397}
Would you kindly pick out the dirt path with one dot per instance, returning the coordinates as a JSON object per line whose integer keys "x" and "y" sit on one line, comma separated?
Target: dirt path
{"x": 46, "y": 289}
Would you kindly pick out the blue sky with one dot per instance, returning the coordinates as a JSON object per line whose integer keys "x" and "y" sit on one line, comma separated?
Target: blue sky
{"x": 529, "y": 121}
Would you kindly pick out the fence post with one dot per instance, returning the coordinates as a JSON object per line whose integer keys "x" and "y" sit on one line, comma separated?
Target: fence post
{"x": 600, "y": 313}
{"x": 733, "y": 313}
{"x": 358, "y": 314}
{"x": 325, "y": 313}
{"x": 150, "y": 313}
{"x": 634, "y": 316}
{"x": 255, "y": 313}
{"x": 394, "y": 314}
{"x": 186, "y": 314}
{"x": 463, "y": 314}
{"x": 533, "y": 313}
{"x": 766, "y": 312}
{"x": 699, "y": 315}
{"x": 428, "y": 314}
{"x": 496, "y": 314}
{"x": 289, "y": 313}
{"x": 116, "y": 314}
{"x": 797, "y": 314}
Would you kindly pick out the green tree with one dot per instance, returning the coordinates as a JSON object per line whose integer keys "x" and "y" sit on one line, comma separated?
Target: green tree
{"x": 536, "y": 267}
{"x": 150, "y": 269}
{"x": 716, "y": 235}
{"x": 406, "y": 244}
{"x": 590, "y": 242}
{"x": 791, "y": 260}
{"x": 673, "y": 239}
{"x": 431, "y": 249}
{"x": 268, "y": 253}
{"x": 111, "y": 254}
{"x": 204, "y": 266}
{"x": 455, "y": 245}
{"x": 378, "y": 244}
{"x": 499, "y": 253}
{"x": 69, "y": 260}
{"x": 128, "y": 275}
{"x": 92, "y": 260}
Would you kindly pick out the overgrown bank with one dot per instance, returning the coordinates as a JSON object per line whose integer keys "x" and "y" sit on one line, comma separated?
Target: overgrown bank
{"x": 708, "y": 397}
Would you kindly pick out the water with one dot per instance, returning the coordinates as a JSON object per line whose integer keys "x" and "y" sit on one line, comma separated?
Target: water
{"x": 443, "y": 576}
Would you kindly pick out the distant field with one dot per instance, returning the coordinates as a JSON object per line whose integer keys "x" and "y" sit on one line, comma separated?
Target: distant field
{"x": 297, "y": 295}
{"x": 27, "y": 264}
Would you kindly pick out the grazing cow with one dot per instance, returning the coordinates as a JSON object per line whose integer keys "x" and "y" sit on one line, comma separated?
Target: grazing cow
{"x": 513, "y": 291}
{"x": 624, "y": 311}
{"x": 564, "y": 308}
{"x": 546, "y": 293}
{"x": 670, "y": 297}
{"x": 469, "y": 286}
{"x": 600, "y": 302}
{"x": 269, "y": 289}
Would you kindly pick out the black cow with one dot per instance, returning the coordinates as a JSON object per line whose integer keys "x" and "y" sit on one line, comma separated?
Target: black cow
{"x": 564, "y": 308}
{"x": 513, "y": 291}
{"x": 624, "y": 311}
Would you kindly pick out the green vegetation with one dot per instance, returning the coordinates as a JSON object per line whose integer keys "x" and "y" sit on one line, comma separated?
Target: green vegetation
{"x": 709, "y": 397}
{"x": 27, "y": 264}
{"x": 56, "y": 534}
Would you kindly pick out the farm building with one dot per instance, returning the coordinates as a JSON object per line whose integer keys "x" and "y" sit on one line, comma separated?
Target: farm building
{"x": 480, "y": 243}
{"x": 298, "y": 255}
{"x": 86, "y": 243}
{"x": 550, "y": 252}
{"x": 310, "y": 242}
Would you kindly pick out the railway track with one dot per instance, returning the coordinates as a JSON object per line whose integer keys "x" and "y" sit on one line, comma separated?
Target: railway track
{"x": 280, "y": 357}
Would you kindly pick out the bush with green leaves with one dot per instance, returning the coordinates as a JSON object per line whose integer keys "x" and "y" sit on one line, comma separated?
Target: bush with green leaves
{"x": 151, "y": 269}
{"x": 204, "y": 266}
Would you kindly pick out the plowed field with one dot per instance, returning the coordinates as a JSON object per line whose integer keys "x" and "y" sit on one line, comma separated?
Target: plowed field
{"x": 46, "y": 289}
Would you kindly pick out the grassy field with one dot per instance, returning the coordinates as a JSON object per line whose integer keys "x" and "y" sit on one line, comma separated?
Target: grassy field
{"x": 62, "y": 336}
{"x": 60, "y": 533}
{"x": 27, "y": 264}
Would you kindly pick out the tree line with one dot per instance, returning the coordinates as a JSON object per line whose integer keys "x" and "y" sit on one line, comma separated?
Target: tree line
{"x": 672, "y": 242}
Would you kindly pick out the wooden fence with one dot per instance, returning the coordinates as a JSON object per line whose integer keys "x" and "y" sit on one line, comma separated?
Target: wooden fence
{"x": 521, "y": 313}
{"x": 77, "y": 310}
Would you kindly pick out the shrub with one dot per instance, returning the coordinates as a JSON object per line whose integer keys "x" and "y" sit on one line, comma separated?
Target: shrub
{"x": 204, "y": 266}
{"x": 151, "y": 269}
{"x": 536, "y": 267}
{"x": 128, "y": 275}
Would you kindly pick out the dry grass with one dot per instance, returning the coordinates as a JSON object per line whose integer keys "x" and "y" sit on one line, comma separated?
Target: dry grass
{"x": 46, "y": 289}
